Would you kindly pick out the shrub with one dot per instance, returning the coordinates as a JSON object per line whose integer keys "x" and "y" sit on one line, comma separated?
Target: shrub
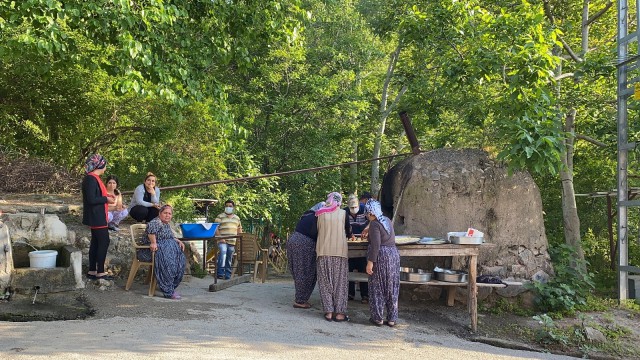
{"x": 569, "y": 288}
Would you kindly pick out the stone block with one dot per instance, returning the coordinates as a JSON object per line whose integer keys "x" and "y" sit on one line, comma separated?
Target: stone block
{"x": 25, "y": 280}
{"x": 484, "y": 292}
{"x": 510, "y": 291}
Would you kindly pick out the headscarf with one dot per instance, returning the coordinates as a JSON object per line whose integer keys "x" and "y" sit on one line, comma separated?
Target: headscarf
{"x": 95, "y": 161}
{"x": 164, "y": 207}
{"x": 317, "y": 206}
{"x": 373, "y": 207}
{"x": 334, "y": 202}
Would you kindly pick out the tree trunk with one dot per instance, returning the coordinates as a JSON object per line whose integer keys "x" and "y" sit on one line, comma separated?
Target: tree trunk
{"x": 385, "y": 110}
{"x": 569, "y": 209}
{"x": 353, "y": 168}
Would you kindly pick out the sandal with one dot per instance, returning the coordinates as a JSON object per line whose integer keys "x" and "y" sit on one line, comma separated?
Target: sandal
{"x": 391, "y": 323}
{"x": 345, "y": 318}
{"x": 376, "y": 323}
{"x": 328, "y": 317}
{"x": 301, "y": 306}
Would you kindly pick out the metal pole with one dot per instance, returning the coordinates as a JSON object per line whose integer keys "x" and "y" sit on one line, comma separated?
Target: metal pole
{"x": 623, "y": 257}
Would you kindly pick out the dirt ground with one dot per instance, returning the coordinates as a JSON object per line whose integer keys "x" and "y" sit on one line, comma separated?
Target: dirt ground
{"x": 429, "y": 318}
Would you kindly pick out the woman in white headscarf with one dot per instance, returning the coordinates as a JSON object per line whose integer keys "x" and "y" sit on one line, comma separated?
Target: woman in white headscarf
{"x": 332, "y": 263}
{"x": 383, "y": 266}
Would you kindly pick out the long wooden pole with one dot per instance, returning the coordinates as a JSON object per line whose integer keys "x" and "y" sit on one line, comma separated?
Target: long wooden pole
{"x": 284, "y": 173}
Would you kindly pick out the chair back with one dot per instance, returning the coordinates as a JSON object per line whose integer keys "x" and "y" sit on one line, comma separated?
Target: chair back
{"x": 250, "y": 247}
{"x": 137, "y": 234}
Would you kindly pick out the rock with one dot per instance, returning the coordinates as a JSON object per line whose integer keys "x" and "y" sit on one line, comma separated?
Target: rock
{"x": 510, "y": 291}
{"x": 499, "y": 271}
{"x": 540, "y": 276}
{"x": 451, "y": 189}
{"x": 594, "y": 335}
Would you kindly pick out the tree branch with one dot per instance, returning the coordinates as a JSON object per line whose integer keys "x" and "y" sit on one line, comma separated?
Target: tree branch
{"x": 562, "y": 76}
{"x": 591, "y": 140}
{"x": 566, "y": 46}
{"x": 599, "y": 13}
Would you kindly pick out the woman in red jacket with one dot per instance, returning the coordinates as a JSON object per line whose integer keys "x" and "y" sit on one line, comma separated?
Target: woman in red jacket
{"x": 95, "y": 209}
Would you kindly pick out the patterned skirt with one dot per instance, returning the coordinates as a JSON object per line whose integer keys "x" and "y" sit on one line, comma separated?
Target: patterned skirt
{"x": 169, "y": 266}
{"x": 301, "y": 253}
{"x": 384, "y": 284}
{"x": 333, "y": 281}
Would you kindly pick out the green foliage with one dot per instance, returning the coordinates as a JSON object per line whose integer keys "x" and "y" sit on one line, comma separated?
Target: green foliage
{"x": 550, "y": 332}
{"x": 198, "y": 271}
{"x": 183, "y": 208}
{"x": 568, "y": 289}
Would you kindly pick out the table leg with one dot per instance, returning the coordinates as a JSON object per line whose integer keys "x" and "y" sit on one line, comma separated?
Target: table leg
{"x": 204, "y": 261}
{"x": 473, "y": 292}
{"x": 240, "y": 264}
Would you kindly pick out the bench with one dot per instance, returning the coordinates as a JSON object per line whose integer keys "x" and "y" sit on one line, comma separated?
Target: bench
{"x": 362, "y": 277}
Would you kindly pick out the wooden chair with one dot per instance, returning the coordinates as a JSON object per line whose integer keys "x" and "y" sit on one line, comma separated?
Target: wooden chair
{"x": 137, "y": 232}
{"x": 253, "y": 255}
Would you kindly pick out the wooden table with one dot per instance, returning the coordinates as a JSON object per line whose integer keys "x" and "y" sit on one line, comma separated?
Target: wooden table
{"x": 418, "y": 250}
{"x": 216, "y": 238}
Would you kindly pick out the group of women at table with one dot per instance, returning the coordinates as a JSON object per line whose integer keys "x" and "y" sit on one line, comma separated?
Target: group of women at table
{"x": 318, "y": 252}
{"x": 102, "y": 206}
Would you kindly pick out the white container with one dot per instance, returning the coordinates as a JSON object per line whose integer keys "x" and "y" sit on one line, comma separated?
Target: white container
{"x": 43, "y": 259}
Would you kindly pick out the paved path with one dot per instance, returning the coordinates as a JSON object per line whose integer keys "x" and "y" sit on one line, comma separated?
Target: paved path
{"x": 250, "y": 321}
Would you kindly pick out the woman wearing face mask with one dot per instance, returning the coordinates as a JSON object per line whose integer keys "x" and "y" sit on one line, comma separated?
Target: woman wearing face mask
{"x": 229, "y": 225}
{"x": 146, "y": 200}
{"x": 170, "y": 259}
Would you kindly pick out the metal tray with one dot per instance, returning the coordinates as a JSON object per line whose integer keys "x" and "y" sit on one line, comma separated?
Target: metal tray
{"x": 452, "y": 276}
{"x": 415, "y": 275}
{"x": 466, "y": 240}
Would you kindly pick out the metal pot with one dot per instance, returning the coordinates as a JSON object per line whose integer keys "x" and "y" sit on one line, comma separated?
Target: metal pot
{"x": 452, "y": 276}
{"x": 415, "y": 275}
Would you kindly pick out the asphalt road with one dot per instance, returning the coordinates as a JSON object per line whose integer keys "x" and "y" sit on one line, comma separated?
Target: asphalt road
{"x": 249, "y": 321}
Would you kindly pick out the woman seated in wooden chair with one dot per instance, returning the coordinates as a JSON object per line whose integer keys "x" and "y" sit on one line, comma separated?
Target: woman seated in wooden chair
{"x": 170, "y": 260}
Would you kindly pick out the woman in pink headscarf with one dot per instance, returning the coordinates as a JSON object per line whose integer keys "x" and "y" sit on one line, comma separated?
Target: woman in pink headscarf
{"x": 332, "y": 262}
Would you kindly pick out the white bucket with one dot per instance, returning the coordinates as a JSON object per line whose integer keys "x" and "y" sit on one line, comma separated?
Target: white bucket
{"x": 43, "y": 259}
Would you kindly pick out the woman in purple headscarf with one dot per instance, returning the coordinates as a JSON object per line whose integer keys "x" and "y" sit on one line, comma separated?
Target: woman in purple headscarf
{"x": 95, "y": 209}
{"x": 383, "y": 266}
{"x": 332, "y": 262}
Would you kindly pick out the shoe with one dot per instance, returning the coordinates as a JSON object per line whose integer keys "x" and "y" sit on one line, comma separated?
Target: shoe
{"x": 345, "y": 318}
{"x": 112, "y": 227}
{"x": 227, "y": 278}
{"x": 376, "y": 323}
{"x": 104, "y": 277}
{"x": 301, "y": 306}
{"x": 91, "y": 277}
{"x": 220, "y": 277}
{"x": 328, "y": 317}
{"x": 176, "y": 296}
{"x": 390, "y": 323}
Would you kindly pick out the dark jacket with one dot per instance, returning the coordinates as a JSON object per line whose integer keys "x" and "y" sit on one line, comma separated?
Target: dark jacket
{"x": 308, "y": 225}
{"x": 94, "y": 213}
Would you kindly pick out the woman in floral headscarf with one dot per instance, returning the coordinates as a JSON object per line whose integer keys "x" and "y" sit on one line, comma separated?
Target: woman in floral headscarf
{"x": 383, "y": 266}
{"x": 95, "y": 203}
{"x": 332, "y": 263}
